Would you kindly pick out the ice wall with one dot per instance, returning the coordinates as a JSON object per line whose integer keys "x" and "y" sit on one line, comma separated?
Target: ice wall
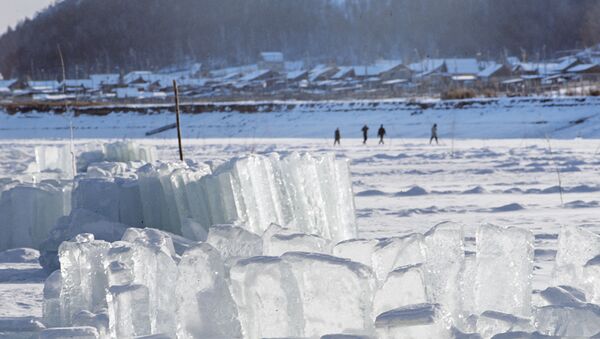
{"x": 120, "y": 151}
{"x": 30, "y": 211}
{"x": 307, "y": 194}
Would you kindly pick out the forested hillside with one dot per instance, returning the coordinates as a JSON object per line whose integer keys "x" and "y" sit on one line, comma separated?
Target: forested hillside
{"x": 111, "y": 35}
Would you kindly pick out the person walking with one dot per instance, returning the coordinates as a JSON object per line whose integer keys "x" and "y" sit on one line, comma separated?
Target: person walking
{"x": 337, "y": 137}
{"x": 434, "y": 134}
{"x": 365, "y": 131}
{"x": 381, "y": 134}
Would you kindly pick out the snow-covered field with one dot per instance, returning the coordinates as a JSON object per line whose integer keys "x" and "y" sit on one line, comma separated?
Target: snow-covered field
{"x": 562, "y": 118}
{"x": 402, "y": 187}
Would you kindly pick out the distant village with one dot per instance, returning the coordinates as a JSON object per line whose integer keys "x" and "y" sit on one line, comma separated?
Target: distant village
{"x": 274, "y": 77}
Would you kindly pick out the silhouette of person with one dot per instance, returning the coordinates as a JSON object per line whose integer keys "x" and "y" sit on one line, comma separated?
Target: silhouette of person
{"x": 434, "y": 134}
{"x": 381, "y": 133}
{"x": 337, "y": 136}
{"x": 365, "y": 131}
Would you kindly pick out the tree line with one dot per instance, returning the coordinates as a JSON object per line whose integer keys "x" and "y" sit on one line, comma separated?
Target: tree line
{"x": 123, "y": 35}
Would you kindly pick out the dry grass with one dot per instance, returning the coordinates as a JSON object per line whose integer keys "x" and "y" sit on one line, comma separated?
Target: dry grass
{"x": 458, "y": 94}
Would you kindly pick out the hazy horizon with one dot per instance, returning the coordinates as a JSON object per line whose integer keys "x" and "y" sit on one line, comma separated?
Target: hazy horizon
{"x": 14, "y": 11}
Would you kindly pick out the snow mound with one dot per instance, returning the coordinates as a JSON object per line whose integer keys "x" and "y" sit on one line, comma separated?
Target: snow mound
{"x": 20, "y": 255}
{"x": 412, "y": 192}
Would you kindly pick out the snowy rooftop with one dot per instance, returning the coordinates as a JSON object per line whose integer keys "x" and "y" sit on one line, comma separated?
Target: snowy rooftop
{"x": 255, "y": 75}
{"x": 583, "y": 68}
{"x": 272, "y": 56}
{"x": 489, "y": 70}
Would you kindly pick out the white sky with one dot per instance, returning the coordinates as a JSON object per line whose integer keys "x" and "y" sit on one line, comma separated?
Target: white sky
{"x": 13, "y": 11}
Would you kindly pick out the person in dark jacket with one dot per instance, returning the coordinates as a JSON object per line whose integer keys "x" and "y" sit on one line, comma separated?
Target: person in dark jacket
{"x": 434, "y": 134}
{"x": 337, "y": 136}
{"x": 365, "y": 131}
{"x": 381, "y": 134}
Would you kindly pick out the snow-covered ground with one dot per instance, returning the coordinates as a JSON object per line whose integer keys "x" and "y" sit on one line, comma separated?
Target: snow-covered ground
{"x": 402, "y": 187}
{"x": 563, "y": 118}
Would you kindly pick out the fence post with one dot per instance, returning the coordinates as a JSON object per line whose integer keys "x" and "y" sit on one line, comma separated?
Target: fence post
{"x": 176, "y": 91}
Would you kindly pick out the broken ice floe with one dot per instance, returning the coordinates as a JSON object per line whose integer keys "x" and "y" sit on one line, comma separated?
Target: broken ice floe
{"x": 307, "y": 194}
{"x": 426, "y": 287}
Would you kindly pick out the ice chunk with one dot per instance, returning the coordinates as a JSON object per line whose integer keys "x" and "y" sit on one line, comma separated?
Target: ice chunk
{"x": 117, "y": 199}
{"x": 205, "y": 306}
{"x": 146, "y": 258}
{"x": 308, "y": 194}
{"x": 591, "y": 275}
{"x": 491, "y": 323}
{"x": 51, "y": 307}
{"x": 444, "y": 249}
{"x": 55, "y": 159}
{"x": 84, "y": 280}
{"x": 568, "y": 321}
{"x": 267, "y": 297}
{"x": 78, "y": 222}
{"x": 283, "y": 242}
{"x": 392, "y": 253}
{"x": 100, "y": 322}
{"x": 128, "y": 307}
{"x": 107, "y": 169}
{"x": 70, "y": 333}
{"x": 165, "y": 200}
{"x": 420, "y": 321}
{"x": 336, "y": 294}
{"x": 123, "y": 151}
{"x": 576, "y": 247}
{"x": 504, "y": 270}
{"x": 359, "y": 250}
{"x": 563, "y": 296}
{"x": 151, "y": 238}
{"x": 20, "y": 328}
{"x": 403, "y": 287}
{"x": 29, "y": 212}
{"x": 234, "y": 242}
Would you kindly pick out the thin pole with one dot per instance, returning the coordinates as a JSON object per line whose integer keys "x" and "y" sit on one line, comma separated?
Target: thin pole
{"x": 62, "y": 63}
{"x": 177, "y": 114}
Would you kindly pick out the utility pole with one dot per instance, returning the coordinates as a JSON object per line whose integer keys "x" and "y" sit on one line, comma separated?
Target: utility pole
{"x": 176, "y": 91}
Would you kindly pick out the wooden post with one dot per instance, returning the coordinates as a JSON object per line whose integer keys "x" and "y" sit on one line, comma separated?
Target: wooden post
{"x": 177, "y": 114}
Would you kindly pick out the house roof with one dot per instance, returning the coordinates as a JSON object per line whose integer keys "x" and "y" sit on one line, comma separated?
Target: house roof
{"x": 293, "y": 75}
{"x": 105, "y": 79}
{"x": 343, "y": 72}
{"x": 85, "y": 83}
{"x": 255, "y": 75}
{"x": 582, "y": 68}
{"x": 490, "y": 70}
{"x": 319, "y": 71}
{"x": 272, "y": 56}
{"x": 463, "y": 66}
{"x": 43, "y": 85}
{"x": 7, "y": 83}
{"x": 566, "y": 62}
{"x": 377, "y": 69}
{"x": 427, "y": 66}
